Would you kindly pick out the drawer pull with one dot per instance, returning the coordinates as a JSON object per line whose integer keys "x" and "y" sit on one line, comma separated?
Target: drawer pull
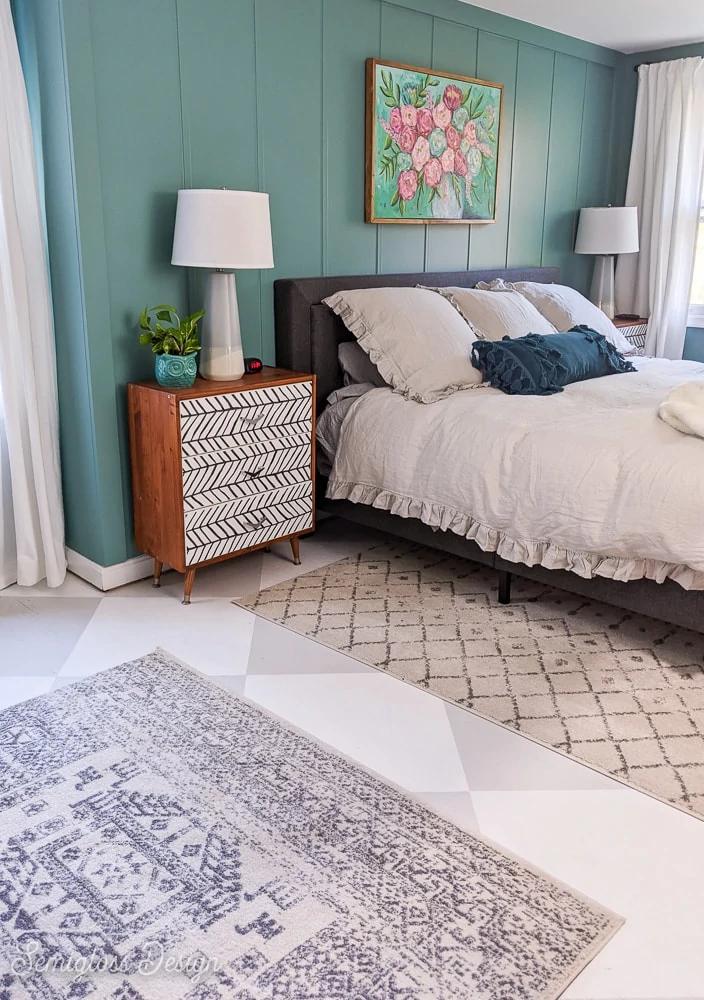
{"x": 253, "y": 525}
{"x": 254, "y": 473}
{"x": 255, "y": 420}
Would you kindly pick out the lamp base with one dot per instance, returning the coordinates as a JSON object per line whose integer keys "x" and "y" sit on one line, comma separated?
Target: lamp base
{"x": 602, "y": 291}
{"x": 221, "y": 357}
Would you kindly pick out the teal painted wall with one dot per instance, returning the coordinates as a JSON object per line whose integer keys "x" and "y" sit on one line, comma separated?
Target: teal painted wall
{"x": 141, "y": 97}
{"x": 694, "y": 344}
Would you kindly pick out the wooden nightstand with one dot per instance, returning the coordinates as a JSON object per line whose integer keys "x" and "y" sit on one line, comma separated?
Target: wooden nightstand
{"x": 634, "y": 330}
{"x": 221, "y": 468}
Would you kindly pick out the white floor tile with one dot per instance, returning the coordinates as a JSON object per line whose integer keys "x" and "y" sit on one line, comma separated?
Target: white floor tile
{"x": 377, "y": 720}
{"x": 16, "y": 689}
{"x": 212, "y": 636}
{"x": 639, "y": 857}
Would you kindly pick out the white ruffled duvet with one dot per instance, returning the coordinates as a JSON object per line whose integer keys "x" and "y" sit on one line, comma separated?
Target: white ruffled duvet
{"x": 589, "y": 480}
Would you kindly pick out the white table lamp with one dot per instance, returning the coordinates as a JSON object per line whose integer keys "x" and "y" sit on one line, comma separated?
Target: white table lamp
{"x": 605, "y": 232}
{"x": 222, "y": 230}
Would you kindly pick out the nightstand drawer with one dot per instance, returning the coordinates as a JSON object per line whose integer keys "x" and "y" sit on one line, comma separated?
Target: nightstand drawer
{"x": 215, "y": 540}
{"x": 248, "y": 488}
{"x": 223, "y": 469}
{"x": 636, "y": 335}
{"x": 241, "y": 514}
{"x": 209, "y": 417}
{"x": 300, "y": 430}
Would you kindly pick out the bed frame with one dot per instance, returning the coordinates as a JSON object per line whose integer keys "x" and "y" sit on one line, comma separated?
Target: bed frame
{"x": 307, "y": 337}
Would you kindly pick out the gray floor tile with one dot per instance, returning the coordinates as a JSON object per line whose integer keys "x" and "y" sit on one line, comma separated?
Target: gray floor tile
{"x": 278, "y": 650}
{"x": 38, "y": 633}
{"x": 496, "y": 759}
{"x": 456, "y": 807}
{"x": 235, "y": 684}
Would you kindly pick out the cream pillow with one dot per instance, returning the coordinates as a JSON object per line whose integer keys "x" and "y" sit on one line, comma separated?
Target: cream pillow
{"x": 418, "y": 341}
{"x": 565, "y": 307}
{"x": 497, "y": 316}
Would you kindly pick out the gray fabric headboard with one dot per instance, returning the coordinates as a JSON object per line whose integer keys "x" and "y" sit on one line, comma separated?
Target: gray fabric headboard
{"x": 308, "y": 332}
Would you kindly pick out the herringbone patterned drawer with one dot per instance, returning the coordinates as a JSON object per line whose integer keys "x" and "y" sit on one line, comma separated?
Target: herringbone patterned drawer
{"x": 209, "y": 417}
{"x": 212, "y": 541}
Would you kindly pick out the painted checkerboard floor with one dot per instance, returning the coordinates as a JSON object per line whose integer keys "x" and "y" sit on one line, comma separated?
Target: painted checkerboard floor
{"x": 636, "y": 855}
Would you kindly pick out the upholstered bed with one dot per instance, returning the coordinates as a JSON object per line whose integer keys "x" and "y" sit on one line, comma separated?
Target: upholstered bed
{"x": 308, "y": 335}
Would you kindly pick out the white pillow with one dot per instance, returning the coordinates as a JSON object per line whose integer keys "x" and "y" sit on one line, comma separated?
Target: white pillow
{"x": 565, "y": 307}
{"x": 418, "y": 341}
{"x": 497, "y": 316}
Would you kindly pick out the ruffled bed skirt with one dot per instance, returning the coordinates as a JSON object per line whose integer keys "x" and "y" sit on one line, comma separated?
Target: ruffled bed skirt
{"x": 529, "y": 552}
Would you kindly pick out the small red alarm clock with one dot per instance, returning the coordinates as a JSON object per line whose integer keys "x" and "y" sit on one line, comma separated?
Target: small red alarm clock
{"x": 252, "y": 366}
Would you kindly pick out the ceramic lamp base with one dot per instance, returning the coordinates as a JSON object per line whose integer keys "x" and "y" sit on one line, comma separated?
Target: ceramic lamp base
{"x": 221, "y": 357}
{"x": 602, "y": 292}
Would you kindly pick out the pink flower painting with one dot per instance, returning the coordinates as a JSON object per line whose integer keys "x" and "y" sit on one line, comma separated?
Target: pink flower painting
{"x": 435, "y": 146}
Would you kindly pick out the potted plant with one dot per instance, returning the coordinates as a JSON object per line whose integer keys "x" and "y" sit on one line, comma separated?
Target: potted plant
{"x": 174, "y": 341}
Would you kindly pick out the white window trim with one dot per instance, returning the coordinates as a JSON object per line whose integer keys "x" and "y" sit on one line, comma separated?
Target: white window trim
{"x": 695, "y": 316}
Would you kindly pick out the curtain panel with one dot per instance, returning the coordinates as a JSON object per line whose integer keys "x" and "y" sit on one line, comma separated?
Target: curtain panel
{"x": 665, "y": 183}
{"x": 31, "y": 512}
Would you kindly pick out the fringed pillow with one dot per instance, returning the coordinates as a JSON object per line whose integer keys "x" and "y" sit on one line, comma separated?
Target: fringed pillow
{"x": 541, "y": 365}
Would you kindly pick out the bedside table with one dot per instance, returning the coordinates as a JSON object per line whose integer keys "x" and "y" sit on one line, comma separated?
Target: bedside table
{"x": 221, "y": 468}
{"x": 634, "y": 330}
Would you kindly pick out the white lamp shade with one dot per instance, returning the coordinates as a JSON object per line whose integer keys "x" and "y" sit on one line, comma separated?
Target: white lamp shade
{"x": 219, "y": 228}
{"x": 607, "y": 231}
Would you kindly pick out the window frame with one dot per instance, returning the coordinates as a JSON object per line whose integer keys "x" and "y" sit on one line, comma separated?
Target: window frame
{"x": 695, "y": 314}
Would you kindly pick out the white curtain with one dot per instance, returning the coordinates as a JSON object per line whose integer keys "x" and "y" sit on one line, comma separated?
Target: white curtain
{"x": 31, "y": 513}
{"x": 665, "y": 183}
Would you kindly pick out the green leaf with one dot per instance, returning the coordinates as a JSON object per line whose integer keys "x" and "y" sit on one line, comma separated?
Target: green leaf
{"x": 432, "y": 83}
{"x": 402, "y": 207}
{"x": 467, "y": 93}
{"x": 388, "y": 142}
{"x": 395, "y": 198}
{"x": 145, "y": 338}
{"x": 397, "y": 94}
{"x": 391, "y": 104}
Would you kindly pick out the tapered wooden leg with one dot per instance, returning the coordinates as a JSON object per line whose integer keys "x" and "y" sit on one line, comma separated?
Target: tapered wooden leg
{"x": 158, "y": 566}
{"x": 188, "y": 585}
{"x": 504, "y": 587}
{"x": 296, "y": 549}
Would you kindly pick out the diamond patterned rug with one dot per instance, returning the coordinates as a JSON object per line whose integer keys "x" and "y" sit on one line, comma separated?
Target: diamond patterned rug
{"x": 619, "y": 691}
{"x": 161, "y": 839}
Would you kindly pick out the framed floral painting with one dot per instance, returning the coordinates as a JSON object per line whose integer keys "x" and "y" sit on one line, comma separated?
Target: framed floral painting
{"x": 432, "y": 145}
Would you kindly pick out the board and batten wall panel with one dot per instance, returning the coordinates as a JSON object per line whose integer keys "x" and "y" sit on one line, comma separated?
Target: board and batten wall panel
{"x": 560, "y": 222}
{"x": 454, "y": 50}
{"x": 406, "y": 37}
{"x": 531, "y": 138}
{"x": 261, "y": 94}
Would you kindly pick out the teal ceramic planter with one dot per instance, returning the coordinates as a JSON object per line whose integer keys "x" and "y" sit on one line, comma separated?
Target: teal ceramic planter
{"x": 175, "y": 371}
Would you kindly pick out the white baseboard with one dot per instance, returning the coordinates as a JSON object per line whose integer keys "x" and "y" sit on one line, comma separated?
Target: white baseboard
{"x": 109, "y": 577}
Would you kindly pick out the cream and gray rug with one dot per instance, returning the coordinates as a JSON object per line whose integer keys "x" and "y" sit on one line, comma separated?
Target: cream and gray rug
{"x": 619, "y": 691}
{"x": 161, "y": 839}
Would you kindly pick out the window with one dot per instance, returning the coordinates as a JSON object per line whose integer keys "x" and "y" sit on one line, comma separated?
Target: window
{"x": 696, "y": 299}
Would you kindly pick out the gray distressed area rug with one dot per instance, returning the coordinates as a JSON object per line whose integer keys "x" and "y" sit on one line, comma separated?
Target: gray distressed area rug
{"x": 161, "y": 839}
{"x": 619, "y": 691}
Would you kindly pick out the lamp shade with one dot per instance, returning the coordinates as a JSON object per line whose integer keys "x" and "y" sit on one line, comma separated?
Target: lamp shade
{"x": 219, "y": 228}
{"x": 607, "y": 231}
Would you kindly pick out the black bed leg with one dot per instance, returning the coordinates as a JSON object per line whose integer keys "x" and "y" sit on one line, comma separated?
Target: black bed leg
{"x": 504, "y": 587}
